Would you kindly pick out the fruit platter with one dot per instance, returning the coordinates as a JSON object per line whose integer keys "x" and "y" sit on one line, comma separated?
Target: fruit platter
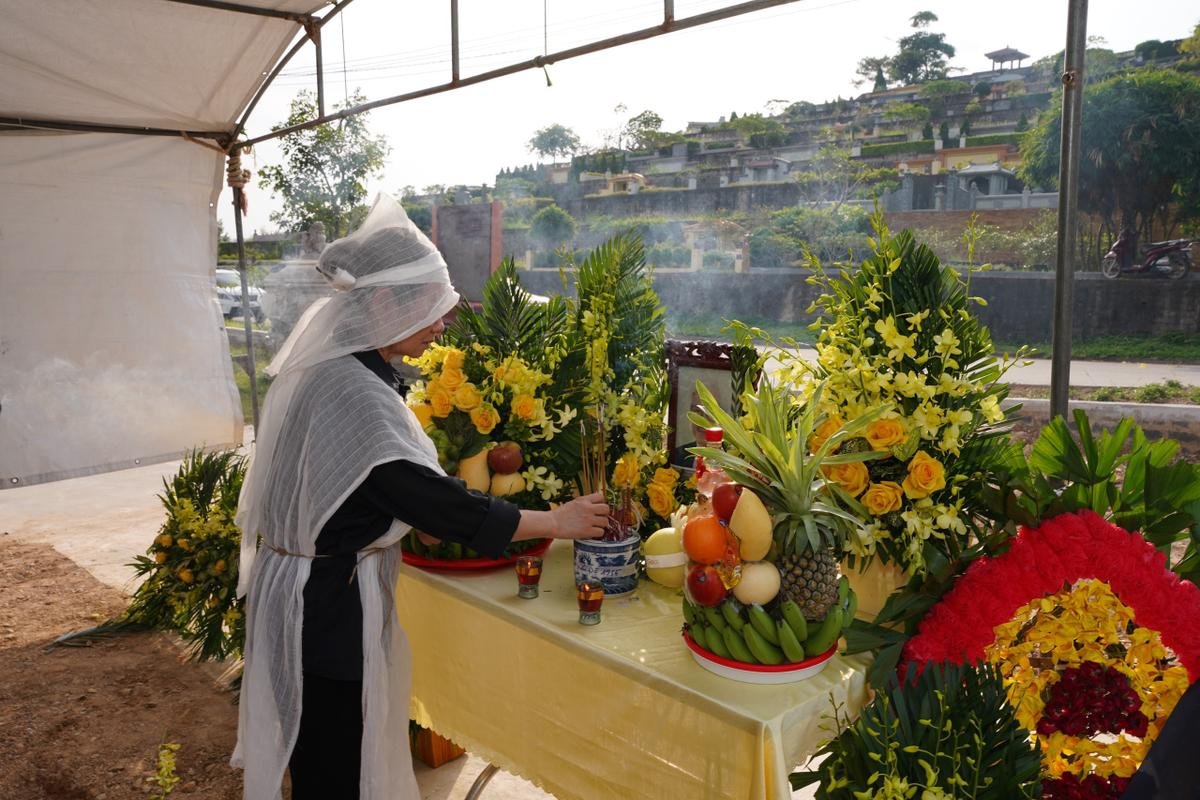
{"x": 763, "y": 598}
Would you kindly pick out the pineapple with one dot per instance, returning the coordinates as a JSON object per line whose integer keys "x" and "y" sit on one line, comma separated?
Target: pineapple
{"x": 811, "y": 526}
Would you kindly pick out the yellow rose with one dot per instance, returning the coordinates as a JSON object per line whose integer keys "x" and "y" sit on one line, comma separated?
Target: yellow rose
{"x": 164, "y": 540}
{"x": 884, "y": 433}
{"x": 441, "y": 402}
{"x": 424, "y": 413}
{"x": 853, "y": 478}
{"x": 160, "y": 558}
{"x": 451, "y": 378}
{"x": 219, "y": 567}
{"x": 454, "y": 359}
{"x": 826, "y": 429}
{"x": 667, "y": 477}
{"x": 925, "y": 476}
{"x": 882, "y": 497}
{"x": 625, "y": 473}
{"x": 662, "y": 500}
{"x": 185, "y": 575}
{"x": 485, "y": 417}
{"x": 466, "y": 397}
{"x": 524, "y": 406}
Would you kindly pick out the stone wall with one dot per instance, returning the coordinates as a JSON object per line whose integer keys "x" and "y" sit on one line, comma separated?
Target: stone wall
{"x": 687, "y": 203}
{"x": 1019, "y": 305}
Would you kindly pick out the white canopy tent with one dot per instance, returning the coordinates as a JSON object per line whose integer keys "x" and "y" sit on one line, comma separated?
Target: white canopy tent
{"x": 112, "y": 351}
{"x": 115, "y": 120}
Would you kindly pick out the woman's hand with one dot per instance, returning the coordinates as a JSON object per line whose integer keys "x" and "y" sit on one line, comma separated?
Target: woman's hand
{"x": 428, "y": 540}
{"x": 582, "y": 518}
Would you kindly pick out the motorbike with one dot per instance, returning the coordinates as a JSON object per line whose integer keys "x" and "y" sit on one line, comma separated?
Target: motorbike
{"x": 1171, "y": 258}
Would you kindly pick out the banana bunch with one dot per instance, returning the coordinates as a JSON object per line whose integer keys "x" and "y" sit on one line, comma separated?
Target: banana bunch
{"x": 750, "y": 634}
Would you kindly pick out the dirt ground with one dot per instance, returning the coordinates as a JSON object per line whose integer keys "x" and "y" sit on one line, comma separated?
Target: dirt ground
{"x": 86, "y": 723}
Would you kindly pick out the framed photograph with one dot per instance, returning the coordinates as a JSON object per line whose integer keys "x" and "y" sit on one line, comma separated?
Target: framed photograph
{"x": 706, "y": 362}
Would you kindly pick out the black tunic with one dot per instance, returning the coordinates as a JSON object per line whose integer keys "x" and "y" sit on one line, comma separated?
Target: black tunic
{"x": 439, "y": 505}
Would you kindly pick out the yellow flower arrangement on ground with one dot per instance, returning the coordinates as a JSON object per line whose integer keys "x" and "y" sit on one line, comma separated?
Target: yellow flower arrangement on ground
{"x": 898, "y": 332}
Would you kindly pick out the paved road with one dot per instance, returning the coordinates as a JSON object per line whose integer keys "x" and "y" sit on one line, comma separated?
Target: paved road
{"x": 1097, "y": 373}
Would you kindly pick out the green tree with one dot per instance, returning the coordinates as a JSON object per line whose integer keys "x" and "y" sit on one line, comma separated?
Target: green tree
{"x": 1190, "y": 46}
{"x": 1139, "y": 164}
{"x": 642, "y": 130}
{"x": 552, "y": 226}
{"x": 871, "y": 69}
{"x": 554, "y": 140}
{"x": 760, "y": 131}
{"x": 1153, "y": 49}
{"x": 833, "y": 177}
{"x": 325, "y": 168}
{"x": 903, "y": 112}
{"x": 921, "y": 56}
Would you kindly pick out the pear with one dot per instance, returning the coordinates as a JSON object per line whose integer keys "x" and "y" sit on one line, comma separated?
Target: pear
{"x": 506, "y": 483}
{"x": 751, "y": 524}
{"x": 474, "y": 471}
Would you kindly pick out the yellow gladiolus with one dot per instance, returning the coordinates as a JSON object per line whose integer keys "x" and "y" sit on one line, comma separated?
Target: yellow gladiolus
{"x": 485, "y": 417}
{"x": 185, "y": 575}
{"x": 466, "y": 397}
{"x": 164, "y": 540}
{"x": 884, "y": 433}
{"x": 853, "y": 477}
{"x": 883, "y": 497}
{"x": 926, "y": 475}
{"x": 160, "y": 558}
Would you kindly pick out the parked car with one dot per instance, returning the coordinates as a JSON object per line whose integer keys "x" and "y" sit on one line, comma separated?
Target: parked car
{"x": 229, "y": 295}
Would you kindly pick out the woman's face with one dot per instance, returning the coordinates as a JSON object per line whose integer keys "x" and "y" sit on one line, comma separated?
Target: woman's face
{"x": 415, "y": 344}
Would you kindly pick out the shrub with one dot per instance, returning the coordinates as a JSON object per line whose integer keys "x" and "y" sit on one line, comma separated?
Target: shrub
{"x": 552, "y": 226}
{"x": 994, "y": 138}
{"x": 719, "y": 145}
{"x": 1151, "y": 393}
{"x": 717, "y": 261}
{"x": 769, "y": 249}
{"x": 894, "y": 148}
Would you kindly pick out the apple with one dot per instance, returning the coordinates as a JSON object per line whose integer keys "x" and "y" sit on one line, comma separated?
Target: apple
{"x": 724, "y": 500}
{"x": 505, "y": 458}
{"x": 704, "y": 586}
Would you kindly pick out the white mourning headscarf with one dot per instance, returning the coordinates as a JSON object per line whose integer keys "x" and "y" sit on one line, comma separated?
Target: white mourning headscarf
{"x": 326, "y": 422}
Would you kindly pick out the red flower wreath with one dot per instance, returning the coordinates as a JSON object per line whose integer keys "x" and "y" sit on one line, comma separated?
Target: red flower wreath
{"x": 1041, "y": 562}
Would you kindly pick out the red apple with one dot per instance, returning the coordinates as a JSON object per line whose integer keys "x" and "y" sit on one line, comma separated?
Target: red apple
{"x": 724, "y": 500}
{"x": 704, "y": 587}
{"x": 504, "y": 458}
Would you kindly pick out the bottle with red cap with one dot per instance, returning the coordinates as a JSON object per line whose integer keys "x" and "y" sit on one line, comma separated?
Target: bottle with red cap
{"x": 708, "y": 478}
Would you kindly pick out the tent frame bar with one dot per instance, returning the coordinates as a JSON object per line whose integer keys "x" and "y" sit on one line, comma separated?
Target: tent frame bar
{"x": 222, "y": 5}
{"x": 29, "y": 123}
{"x": 668, "y": 25}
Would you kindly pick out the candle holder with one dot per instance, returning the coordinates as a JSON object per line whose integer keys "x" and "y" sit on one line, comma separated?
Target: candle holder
{"x": 590, "y": 595}
{"x": 529, "y": 572}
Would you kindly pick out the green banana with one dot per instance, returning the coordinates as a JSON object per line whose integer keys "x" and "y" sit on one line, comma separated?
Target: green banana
{"x": 851, "y": 608}
{"x": 689, "y": 613}
{"x": 713, "y": 617}
{"x": 763, "y": 650}
{"x": 716, "y": 642}
{"x": 737, "y": 646}
{"x": 732, "y": 611}
{"x": 843, "y": 590}
{"x": 792, "y": 649}
{"x": 826, "y": 634}
{"x": 763, "y": 623}
{"x": 696, "y": 631}
{"x": 795, "y": 619}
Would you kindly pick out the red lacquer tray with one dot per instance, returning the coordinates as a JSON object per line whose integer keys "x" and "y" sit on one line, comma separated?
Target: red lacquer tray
{"x": 469, "y": 564}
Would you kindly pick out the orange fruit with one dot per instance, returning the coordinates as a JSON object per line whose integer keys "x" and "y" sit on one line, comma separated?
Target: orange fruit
{"x": 704, "y": 540}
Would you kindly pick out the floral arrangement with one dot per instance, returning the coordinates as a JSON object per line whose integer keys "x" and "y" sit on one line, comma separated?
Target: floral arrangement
{"x": 899, "y": 332}
{"x": 618, "y": 323}
{"x": 190, "y": 570}
{"x": 948, "y": 732}
{"x": 1095, "y": 638}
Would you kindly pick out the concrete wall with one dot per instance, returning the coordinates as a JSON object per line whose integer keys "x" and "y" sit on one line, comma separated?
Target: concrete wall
{"x": 1020, "y": 305}
{"x": 687, "y": 203}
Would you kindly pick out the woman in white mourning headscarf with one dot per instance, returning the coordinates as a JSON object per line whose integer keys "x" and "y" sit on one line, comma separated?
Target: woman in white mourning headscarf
{"x": 341, "y": 471}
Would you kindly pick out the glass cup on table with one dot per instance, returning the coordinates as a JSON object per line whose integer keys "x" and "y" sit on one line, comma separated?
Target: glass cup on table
{"x": 590, "y": 595}
{"x": 529, "y": 572}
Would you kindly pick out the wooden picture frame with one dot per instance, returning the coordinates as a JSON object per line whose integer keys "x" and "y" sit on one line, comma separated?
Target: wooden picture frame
{"x": 688, "y": 362}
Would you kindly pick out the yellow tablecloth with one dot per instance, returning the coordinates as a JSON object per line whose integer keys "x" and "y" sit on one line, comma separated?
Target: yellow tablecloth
{"x": 617, "y": 710}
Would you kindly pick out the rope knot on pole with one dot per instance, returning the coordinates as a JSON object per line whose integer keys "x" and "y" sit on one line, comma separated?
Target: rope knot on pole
{"x": 235, "y": 176}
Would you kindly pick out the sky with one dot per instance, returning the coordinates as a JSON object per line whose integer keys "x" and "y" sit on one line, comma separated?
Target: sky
{"x": 805, "y": 50}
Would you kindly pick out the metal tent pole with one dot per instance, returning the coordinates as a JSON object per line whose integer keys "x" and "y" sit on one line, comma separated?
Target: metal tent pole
{"x": 1068, "y": 201}
{"x": 236, "y": 182}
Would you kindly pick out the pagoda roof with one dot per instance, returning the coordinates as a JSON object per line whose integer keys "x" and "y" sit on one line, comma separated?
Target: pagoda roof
{"x": 1007, "y": 54}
